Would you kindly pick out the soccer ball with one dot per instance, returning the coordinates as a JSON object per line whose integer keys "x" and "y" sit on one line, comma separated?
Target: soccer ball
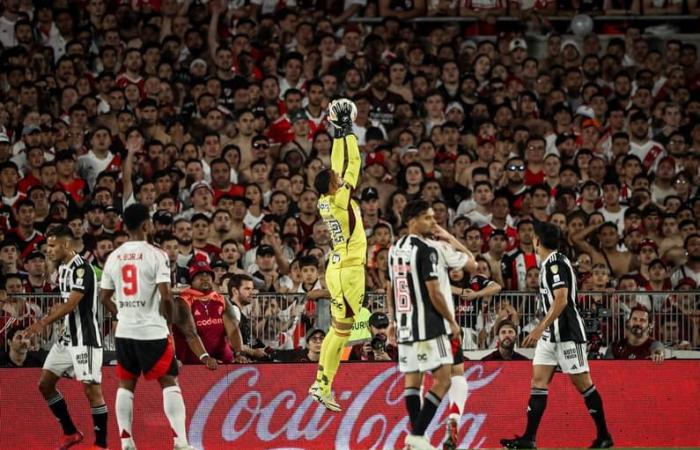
{"x": 342, "y": 103}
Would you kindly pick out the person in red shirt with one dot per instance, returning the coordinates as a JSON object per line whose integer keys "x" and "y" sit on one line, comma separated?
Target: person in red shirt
{"x": 214, "y": 319}
{"x": 28, "y": 238}
{"x": 221, "y": 180}
{"x": 67, "y": 181}
{"x": 638, "y": 343}
{"x": 35, "y": 160}
{"x": 201, "y": 229}
{"x": 281, "y": 129}
{"x": 9, "y": 174}
{"x": 534, "y": 155}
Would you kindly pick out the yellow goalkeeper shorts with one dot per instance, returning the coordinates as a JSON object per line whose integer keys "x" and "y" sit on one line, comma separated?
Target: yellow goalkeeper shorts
{"x": 347, "y": 288}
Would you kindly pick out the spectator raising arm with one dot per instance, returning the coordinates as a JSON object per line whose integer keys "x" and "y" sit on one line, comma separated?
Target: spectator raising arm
{"x": 134, "y": 144}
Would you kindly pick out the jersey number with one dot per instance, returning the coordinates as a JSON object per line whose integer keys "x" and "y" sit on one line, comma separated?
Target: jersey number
{"x": 403, "y": 295}
{"x": 130, "y": 279}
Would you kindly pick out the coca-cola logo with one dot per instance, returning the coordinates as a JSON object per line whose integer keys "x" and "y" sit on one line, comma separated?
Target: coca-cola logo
{"x": 290, "y": 419}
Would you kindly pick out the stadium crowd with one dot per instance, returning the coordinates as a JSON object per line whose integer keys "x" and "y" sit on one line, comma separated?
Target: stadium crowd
{"x": 213, "y": 114}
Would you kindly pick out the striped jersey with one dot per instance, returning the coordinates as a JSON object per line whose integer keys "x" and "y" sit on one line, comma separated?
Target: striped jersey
{"x": 81, "y": 325}
{"x": 412, "y": 263}
{"x": 556, "y": 272}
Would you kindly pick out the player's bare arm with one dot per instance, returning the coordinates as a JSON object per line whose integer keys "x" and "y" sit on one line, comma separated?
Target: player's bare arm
{"x": 56, "y": 313}
{"x": 106, "y": 300}
{"x": 488, "y": 292}
{"x": 560, "y": 296}
{"x": 442, "y": 234}
{"x": 232, "y": 329}
{"x": 438, "y": 301}
{"x": 184, "y": 321}
{"x": 167, "y": 309}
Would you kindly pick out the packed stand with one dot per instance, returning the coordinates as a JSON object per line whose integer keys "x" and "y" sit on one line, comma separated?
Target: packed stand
{"x": 214, "y": 116}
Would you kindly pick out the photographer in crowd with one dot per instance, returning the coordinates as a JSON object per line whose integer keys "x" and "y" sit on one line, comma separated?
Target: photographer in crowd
{"x": 377, "y": 348}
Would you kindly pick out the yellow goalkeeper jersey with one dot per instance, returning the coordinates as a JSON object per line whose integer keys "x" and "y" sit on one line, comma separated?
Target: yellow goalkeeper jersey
{"x": 340, "y": 211}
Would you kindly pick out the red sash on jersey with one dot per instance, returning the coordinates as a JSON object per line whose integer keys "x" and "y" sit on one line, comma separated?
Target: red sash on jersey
{"x": 651, "y": 156}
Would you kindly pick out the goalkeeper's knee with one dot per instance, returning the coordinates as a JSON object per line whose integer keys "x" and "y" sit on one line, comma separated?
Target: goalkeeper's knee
{"x": 342, "y": 326}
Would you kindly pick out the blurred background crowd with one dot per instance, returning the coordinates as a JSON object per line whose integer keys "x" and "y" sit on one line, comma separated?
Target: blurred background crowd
{"x": 213, "y": 114}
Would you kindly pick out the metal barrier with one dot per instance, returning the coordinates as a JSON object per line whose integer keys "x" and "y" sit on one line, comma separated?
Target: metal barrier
{"x": 281, "y": 321}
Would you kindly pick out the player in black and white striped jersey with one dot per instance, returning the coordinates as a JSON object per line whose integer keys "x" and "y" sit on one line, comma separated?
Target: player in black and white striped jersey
{"x": 561, "y": 341}
{"x": 78, "y": 351}
{"x": 424, "y": 321}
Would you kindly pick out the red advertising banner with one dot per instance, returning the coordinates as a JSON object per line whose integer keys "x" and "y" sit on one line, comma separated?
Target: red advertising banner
{"x": 267, "y": 407}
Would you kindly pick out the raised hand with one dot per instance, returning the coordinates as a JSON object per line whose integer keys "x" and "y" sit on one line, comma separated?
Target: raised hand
{"x": 341, "y": 114}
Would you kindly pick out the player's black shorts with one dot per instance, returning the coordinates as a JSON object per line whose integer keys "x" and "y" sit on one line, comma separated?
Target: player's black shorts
{"x": 154, "y": 358}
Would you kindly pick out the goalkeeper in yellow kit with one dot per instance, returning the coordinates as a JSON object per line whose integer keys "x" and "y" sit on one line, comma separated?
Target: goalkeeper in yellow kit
{"x": 345, "y": 273}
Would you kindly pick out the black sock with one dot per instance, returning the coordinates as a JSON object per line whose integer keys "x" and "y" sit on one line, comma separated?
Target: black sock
{"x": 535, "y": 410}
{"x": 99, "y": 418}
{"x": 427, "y": 412}
{"x": 595, "y": 408}
{"x": 412, "y": 397}
{"x": 60, "y": 410}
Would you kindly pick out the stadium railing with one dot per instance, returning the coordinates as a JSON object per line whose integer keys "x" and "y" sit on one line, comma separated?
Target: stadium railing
{"x": 281, "y": 321}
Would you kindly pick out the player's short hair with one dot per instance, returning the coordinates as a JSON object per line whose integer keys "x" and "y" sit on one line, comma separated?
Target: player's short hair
{"x": 323, "y": 181}
{"x": 61, "y": 232}
{"x": 135, "y": 216}
{"x": 549, "y": 235}
{"x": 414, "y": 209}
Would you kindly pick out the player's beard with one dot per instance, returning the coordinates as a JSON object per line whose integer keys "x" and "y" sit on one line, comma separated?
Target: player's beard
{"x": 507, "y": 344}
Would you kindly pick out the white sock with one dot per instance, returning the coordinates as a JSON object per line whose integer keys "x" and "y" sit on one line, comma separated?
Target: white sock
{"x": 174, "y": 407}
{"x": 458, "y": 396}
{"x": 125, "y": 413}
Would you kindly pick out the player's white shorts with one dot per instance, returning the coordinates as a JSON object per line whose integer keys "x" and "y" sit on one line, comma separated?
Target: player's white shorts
{"x": 82, "y": 363}
{"x": 569, "y": 356}
{"x": 424, "y": 356}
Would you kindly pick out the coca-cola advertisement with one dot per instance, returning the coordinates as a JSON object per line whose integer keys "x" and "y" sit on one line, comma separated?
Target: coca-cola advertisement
{"x": 266, "y": 406}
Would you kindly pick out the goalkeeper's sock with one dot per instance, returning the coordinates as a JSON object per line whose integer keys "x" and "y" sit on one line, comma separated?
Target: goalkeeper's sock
{"x": 335, "y": 348}
{"x": 535, "y": 410}
{"x": 595, "y": 408}
{"x": 320, "y": 373}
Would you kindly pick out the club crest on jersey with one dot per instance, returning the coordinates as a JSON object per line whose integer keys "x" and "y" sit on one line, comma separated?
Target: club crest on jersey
{"x": 80, "y": 272}
{"x": 554, "y": 268}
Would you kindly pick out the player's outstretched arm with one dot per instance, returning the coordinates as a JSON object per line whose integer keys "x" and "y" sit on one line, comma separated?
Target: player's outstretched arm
{"x": 352, "y": 171}
{"x": 56, "y": 313}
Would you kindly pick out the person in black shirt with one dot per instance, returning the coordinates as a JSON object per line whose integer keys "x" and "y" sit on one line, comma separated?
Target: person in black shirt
{"x": 18, "y": 354}
{"x": 561, "y": 341}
